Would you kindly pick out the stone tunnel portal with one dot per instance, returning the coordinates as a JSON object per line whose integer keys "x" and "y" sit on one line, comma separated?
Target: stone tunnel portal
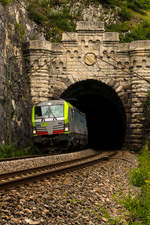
{"x": 104, "y": 111}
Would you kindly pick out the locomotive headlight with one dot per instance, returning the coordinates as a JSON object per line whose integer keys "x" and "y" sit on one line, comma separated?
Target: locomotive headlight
{"x": 34, "y": 131}
{"x": 66, "y": 128}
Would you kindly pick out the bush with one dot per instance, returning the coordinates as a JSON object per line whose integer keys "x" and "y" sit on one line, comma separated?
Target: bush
{"x": 141, "y": 174}
{"x": 141, "y": 32}
{"x": 122, "y": 27}
{"x": 140, "y": 177}
{"x": 5, "y": 2}
{"x": 21, "y": 29}
{"x": 139, "y": 205}
{"x": 7, "y": 151}
{"x": 110, "y": 3}
{"x": 125, "y": 14}
{"x": 10, "y": 151}
{"x": 52, "y": 22}
{"x": 138, "y": 5}
{"x": 134, "y": 6}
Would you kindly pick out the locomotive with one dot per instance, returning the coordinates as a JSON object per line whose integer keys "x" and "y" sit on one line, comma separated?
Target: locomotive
{"x": 57, "y": 122}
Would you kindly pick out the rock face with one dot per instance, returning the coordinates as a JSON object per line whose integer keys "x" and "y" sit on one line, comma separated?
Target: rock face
{"x": 40, "y": 70}
{"x": 15, "y": 98}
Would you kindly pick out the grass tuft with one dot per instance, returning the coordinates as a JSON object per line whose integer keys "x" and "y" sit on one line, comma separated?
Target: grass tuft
{"x": 138, "y": 206}
{"x": 10, "y": 151}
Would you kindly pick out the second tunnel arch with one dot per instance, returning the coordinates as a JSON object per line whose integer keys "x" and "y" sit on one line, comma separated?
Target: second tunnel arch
{"x": 105, "y": 113}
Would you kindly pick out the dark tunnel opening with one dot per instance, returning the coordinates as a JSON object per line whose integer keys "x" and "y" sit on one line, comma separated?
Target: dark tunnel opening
{"x": 104, "y": 111}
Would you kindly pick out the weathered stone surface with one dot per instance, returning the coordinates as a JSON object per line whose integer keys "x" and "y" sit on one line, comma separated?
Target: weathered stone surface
{"x": 15, "y": 101}
{"x": 47, "y": 69}
{"x": 89, "y": 53}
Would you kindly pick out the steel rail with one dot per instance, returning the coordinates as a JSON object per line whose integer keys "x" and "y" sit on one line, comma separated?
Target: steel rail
{"x": 17, "y": 176}
{"x": 22, "y": 157}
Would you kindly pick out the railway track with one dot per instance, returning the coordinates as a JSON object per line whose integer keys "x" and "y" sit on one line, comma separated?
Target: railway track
{"x": 59, "y": 165}
{"x": 23, "y": 157}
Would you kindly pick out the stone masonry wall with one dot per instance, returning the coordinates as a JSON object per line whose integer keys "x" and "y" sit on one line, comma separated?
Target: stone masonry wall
{"x": 92, "y": 53}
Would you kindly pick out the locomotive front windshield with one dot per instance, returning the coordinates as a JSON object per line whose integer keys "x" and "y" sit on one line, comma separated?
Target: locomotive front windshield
{"x": 49, "y": 111}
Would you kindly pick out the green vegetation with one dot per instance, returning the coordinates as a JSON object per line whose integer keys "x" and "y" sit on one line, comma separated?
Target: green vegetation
{"x": 140, "y": 175}
{"x": 10, "y": 151}
{"x": 134, "y": 19}
{"x": 139, "y": 205}
{"x": 140, "y": 32}
{"x": 125, "y": 14}
{"x": 57, "y": 16}
{"x": 21, "y": 29}
{"x": 52, "y": 22}
{"x": 5, "y": 2}
{"x": 136, "y": 5}
{"x": 128, "y": 33}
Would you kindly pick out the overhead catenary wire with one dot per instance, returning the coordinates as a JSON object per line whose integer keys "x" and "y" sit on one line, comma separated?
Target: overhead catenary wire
{"x": 131, "y": 72}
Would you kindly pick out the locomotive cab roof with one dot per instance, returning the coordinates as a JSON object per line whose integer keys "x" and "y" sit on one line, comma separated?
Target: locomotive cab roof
{"x": 50, "y": 102}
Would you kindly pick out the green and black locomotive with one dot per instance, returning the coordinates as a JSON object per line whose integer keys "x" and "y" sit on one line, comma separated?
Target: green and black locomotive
{"x": 58, "y": 122}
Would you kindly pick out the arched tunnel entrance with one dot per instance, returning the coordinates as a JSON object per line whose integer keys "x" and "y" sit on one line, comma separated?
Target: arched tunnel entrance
{"x": 104, "y": 111}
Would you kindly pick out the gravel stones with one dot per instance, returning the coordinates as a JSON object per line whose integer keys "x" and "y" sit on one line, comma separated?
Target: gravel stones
{"x": 74, "y": 197}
